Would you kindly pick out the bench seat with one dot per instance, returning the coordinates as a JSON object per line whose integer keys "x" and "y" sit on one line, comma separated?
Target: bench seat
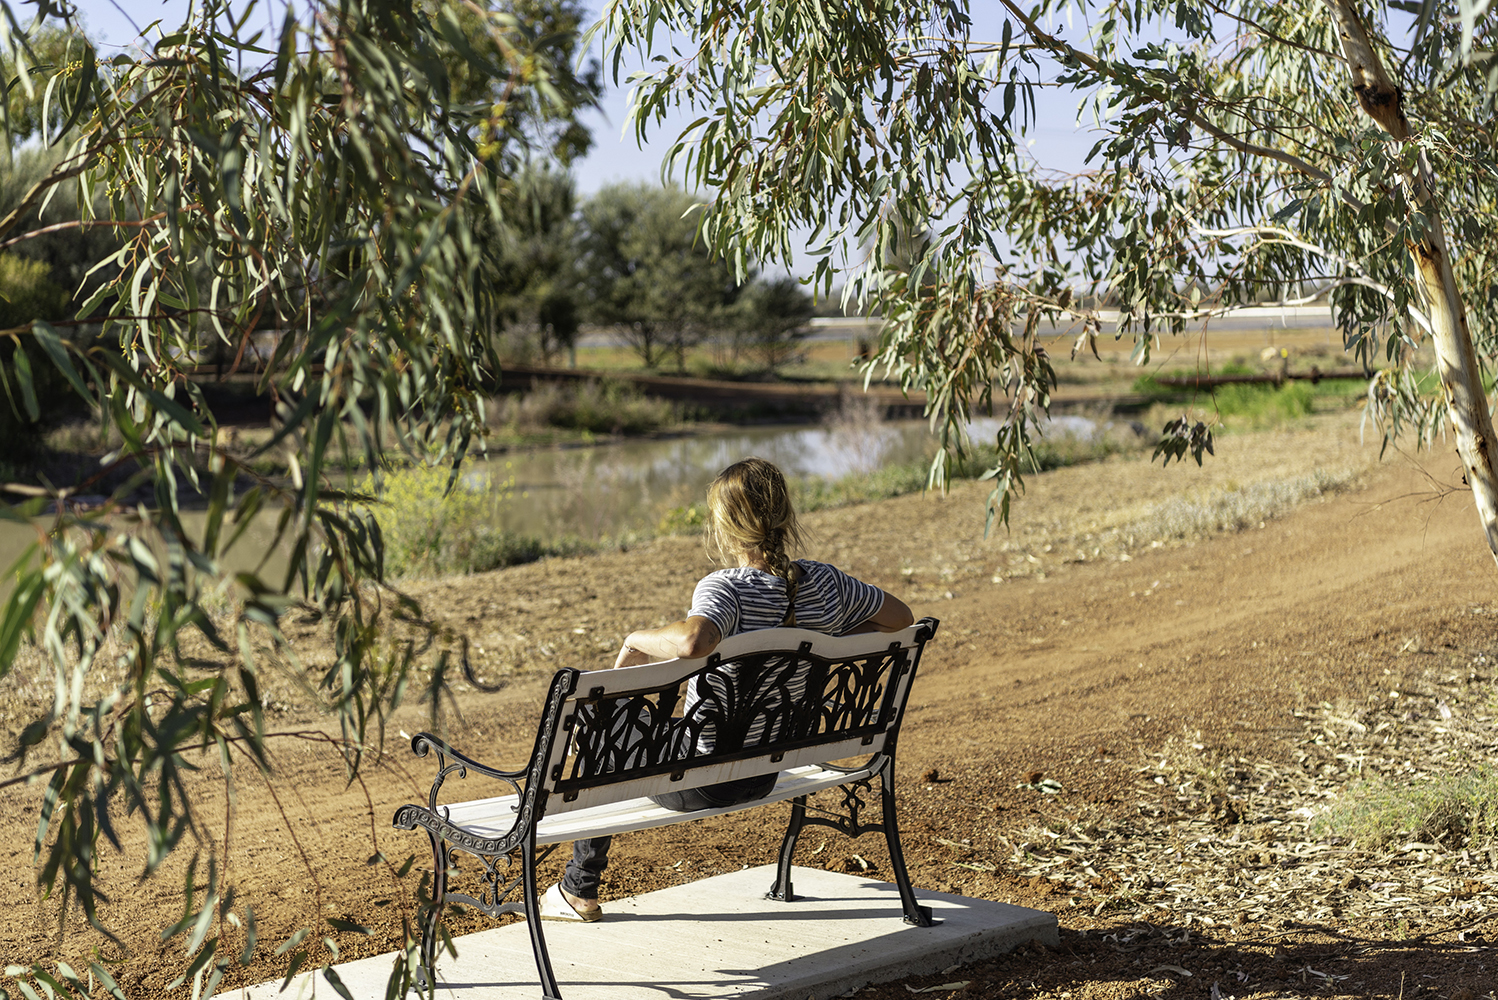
{"x": 494, "y": 817}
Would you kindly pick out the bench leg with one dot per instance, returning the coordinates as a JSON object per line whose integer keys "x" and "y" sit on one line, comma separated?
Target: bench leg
{"x": 782, "y": 890}
{"x": 915, "y": 913}
{"x": 549, "y": 988}
{"x": 429, "y": 935}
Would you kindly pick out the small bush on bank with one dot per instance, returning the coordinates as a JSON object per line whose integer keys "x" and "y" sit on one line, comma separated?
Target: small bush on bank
{"x": 429, "y": 531}
{"x": 690, "y": 519}
{"x": 1265, "y": 405}
{"x": 599, "y": 407}
{"x": 1448, "y": 809}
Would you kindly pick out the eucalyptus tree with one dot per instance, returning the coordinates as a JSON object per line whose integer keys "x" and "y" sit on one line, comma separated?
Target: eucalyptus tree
{"x": 1294, "y": 151}
{"x": 327, "y": 175}
{"x": 649, "y": 273}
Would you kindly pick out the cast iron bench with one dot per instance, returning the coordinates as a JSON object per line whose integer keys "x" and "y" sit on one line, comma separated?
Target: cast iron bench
{"x": 778, "y": 700}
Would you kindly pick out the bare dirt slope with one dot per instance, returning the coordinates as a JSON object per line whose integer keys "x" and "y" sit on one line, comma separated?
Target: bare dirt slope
{"x": 1067, "y": 648}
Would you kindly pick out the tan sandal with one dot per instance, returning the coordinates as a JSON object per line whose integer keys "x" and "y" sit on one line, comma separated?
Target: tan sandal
{"x": 556, "y": 906}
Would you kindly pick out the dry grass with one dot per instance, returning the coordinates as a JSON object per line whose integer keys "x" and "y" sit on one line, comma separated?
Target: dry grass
{"x": 606, "y": 407}
{"x": 1366, "y": 828}
{"x": 1113, "y": 509}
{"x": 1234, "y": 507}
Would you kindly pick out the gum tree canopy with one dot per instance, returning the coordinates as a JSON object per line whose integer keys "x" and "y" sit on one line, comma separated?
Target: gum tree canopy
{"x": 1294, "y": 150}
{"x": 309, "y": 194}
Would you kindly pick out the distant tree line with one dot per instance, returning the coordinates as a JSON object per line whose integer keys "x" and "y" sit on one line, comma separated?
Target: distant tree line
{"x": 631, "y": 258}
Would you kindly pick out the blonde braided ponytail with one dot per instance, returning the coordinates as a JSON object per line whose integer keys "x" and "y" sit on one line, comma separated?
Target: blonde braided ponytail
{"x": 749, "y": 510}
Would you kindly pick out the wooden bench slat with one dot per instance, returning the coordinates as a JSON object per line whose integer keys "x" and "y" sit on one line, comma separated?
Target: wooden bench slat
{"x": 494, "y": 817}
{"x": 593, "y": 798}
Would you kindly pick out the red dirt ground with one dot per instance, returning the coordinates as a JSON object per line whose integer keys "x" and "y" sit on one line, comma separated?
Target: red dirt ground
{"x": 1080, "y": 674}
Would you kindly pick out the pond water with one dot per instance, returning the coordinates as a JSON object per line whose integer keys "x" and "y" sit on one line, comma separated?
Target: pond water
{"x": 601, "y": 492}
{"x": 609, "y": 490}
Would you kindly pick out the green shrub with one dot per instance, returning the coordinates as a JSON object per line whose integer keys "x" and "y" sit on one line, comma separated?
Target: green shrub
{"x": 1261, "y": 405}
{"x": 27, "y": 293}
{"x": 1449, "y": 809}
{"x": 688, "y": 520}
{"x": 430, "y": 531}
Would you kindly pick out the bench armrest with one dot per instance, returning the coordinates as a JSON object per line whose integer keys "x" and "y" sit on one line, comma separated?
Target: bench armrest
{"x": 450, "y": 760}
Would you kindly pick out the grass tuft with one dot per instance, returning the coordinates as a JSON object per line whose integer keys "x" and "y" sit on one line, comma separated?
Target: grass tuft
{"x": 1236, "y": 507}
{"x": 1449, "y": 810}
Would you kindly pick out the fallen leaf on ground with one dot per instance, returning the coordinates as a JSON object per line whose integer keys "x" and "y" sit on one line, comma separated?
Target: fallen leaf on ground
{"x": 1170, "y": 968}
{"x": 943, "y": 986}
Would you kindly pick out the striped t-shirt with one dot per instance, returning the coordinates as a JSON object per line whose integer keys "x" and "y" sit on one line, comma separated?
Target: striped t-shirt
{"x": 743, "y": 599}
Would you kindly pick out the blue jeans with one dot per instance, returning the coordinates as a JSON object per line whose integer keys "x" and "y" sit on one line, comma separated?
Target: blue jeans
{"x": 590, "y": 857}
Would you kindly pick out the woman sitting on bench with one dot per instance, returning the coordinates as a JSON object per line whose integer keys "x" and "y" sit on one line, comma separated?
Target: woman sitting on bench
{"x": 750, "y": 527}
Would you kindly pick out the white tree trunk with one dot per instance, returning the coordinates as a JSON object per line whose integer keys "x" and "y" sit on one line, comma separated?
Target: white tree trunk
{"x": 1456, "y": 359}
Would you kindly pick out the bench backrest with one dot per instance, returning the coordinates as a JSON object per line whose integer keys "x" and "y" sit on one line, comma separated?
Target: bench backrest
{"x": 761, "y": 702}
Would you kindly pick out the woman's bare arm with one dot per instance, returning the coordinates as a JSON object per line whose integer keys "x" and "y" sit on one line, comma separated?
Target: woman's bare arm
{"x": 892, "y": 616}
{"x": 690, "y": 638}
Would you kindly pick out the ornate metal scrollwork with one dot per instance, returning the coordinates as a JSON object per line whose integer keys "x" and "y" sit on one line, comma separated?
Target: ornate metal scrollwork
{"x": 409, "y": 817}
{"x": 460, "y": 765}
{"x": 848, "y": 821}
{"x": 789, "y": 697}
{"x": 528, "y": 785}
{"x": 496, "y": 884}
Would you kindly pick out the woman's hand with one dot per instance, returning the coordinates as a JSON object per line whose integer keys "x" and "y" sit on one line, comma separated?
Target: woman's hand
{"x": 629, "y": 656}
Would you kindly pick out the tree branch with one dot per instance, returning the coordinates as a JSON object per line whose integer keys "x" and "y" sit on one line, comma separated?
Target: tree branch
{"x": 39, "y": 190}
{"x": 1067, "y": 52}
{"x": 310, "y": 735}
{"x": 1274, "y": 234}
{"x": 80, "y": 224}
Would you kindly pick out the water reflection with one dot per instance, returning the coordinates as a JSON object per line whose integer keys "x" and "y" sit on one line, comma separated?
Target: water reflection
{"x": 607, "y": 491}
{"x": 600, "y": 492}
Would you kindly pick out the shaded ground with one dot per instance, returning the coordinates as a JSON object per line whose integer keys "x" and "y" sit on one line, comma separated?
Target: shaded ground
{"x": 1175, "y": 692}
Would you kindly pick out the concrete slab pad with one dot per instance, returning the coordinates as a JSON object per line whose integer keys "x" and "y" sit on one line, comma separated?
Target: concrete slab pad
{"x": 718, "y": 938}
